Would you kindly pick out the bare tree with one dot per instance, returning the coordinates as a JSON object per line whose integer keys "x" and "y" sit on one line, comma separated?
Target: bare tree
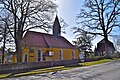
{"x": 4, "y": 33}
{"x": 63, "y": 25}
{"x": 99, "y": 17}
{"x": 25, "y": 15}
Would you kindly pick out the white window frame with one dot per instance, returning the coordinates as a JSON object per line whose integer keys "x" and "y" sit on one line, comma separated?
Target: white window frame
{"x": 41, "y": 58}
{"x": 73, "y": 54}
{"x": 24, "y": 57}
{"x": 61, "y": 54}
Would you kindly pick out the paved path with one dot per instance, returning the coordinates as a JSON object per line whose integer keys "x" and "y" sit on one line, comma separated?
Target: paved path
{"x": 106, "y": 71}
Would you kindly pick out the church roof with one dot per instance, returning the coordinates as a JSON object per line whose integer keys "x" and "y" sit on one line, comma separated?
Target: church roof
{"x": 103, "y": 41}
{"x": 56, "y": 27}
{"x": 43, "y": 40}
{"x": 101, "y": 45}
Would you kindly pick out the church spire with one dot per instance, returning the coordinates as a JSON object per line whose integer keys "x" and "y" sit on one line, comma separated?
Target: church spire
{"x": 56, "y": 27}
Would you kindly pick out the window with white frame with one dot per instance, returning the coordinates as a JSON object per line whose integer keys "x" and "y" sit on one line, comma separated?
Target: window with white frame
{"x": 73, "y": 54}
{"x": 61, "y": 54}
{"x": 25, "y": 57}
{"x": 40, "y": 55}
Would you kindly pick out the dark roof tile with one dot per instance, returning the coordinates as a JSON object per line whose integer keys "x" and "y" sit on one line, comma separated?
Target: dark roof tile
{"x": 37, "y": 39}
{"x": 101, "y": 45}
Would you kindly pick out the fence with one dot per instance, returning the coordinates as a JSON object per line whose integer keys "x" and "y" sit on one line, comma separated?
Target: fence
{"x": 21, "y": 67}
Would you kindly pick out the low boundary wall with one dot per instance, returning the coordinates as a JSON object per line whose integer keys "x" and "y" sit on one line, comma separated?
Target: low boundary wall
{"x": 21, "y": 67}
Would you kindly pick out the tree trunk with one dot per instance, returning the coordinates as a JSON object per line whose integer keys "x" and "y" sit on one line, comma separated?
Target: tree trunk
{"x": 3, "y": 51}
{"x": 4, "y": 41}
{"x": 106, "y": 46}
{"x": 18, "y": 50}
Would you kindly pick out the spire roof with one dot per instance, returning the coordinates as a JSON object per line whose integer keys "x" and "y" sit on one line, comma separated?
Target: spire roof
{"x": 56, "y": 27}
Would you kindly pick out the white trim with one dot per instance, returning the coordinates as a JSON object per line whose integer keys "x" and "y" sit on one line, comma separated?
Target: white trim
{"x": 41, "y": 58}
{"x": 73, "y": 54}
{"x": 61, "y": 54}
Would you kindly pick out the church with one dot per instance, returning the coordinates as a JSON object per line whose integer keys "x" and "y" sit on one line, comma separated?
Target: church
{"x": 37, "y": 46}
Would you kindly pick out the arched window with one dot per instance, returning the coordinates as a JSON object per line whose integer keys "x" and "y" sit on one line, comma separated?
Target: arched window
{"x": 40, "y": 55}
{"x": 73, "y": 54}
{"x": 61, "y": 54}
{"x": 26, "y": 58}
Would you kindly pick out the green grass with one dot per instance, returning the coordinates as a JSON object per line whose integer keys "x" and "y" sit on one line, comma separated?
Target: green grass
{"x": 96, "y": 62}
{"x": 3, "y": 76}
{"x": 54, "y": 69}
{"x": 115, "y": 58}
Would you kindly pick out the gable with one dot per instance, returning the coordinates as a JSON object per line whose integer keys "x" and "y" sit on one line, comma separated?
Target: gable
{"x": 101, "y": 45}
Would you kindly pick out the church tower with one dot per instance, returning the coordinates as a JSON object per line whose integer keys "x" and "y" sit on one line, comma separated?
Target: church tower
{"x": 56, "y": 27}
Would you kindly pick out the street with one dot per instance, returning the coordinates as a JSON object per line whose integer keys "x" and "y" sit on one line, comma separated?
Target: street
{"x": 106, "y": 71}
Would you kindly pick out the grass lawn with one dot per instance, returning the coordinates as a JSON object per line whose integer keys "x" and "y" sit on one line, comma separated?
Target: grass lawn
{"x": 54, "y": 69}
{"x": 96, "y": 62}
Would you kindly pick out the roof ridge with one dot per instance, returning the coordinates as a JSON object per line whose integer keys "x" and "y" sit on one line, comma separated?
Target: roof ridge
{"x": 40, "y": 33}
{"x": 104, "y": 40}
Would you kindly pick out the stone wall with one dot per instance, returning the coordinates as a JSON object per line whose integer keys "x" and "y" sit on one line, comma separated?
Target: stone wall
{"x": 6, "y": 68}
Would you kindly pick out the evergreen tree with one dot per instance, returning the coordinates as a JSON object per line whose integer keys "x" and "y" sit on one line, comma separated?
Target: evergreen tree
{"x": 83, "y": 42}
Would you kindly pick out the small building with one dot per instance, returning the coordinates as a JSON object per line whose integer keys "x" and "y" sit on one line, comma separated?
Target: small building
{"x": 100, "y": 50}
{"x": 38, "y": 46}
